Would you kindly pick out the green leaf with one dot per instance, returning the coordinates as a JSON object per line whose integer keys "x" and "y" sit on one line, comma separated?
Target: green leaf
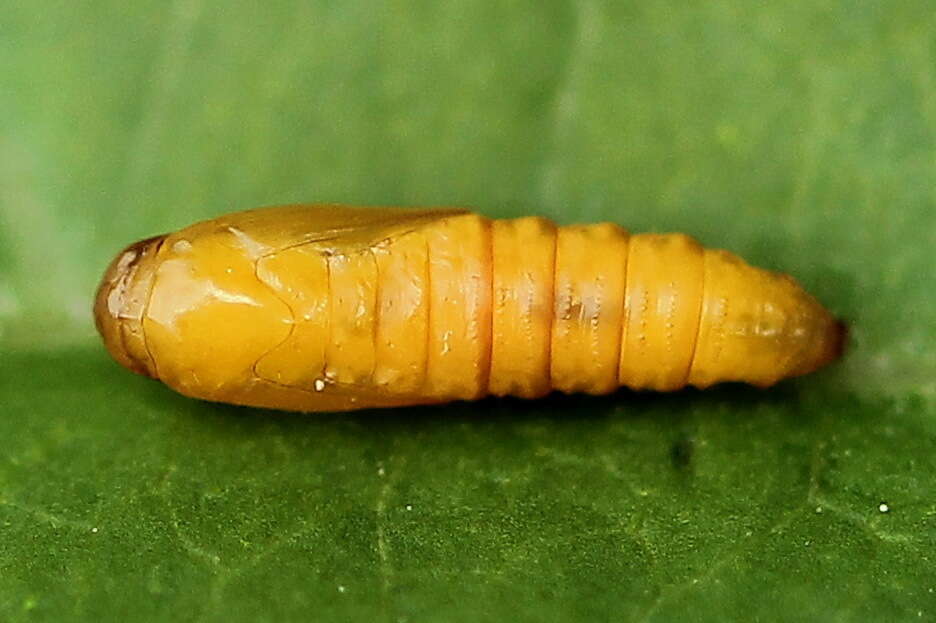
{"x": 799, "y": 136}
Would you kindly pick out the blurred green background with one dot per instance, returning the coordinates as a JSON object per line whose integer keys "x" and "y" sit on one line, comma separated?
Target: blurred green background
{"x": 800, "y": 135}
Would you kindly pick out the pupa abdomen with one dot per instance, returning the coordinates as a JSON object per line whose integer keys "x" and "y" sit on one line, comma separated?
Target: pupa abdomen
{"x": 330, "y": 308}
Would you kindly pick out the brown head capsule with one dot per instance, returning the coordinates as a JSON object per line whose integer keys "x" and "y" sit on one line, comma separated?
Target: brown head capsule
{"x": 120, "y": 303}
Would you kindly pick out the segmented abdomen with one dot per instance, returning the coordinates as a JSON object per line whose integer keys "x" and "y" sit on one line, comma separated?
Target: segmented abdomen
{"x": 465, "y": 306}
{"x": 589, "y": 308}
{"x": 616, "y": 309}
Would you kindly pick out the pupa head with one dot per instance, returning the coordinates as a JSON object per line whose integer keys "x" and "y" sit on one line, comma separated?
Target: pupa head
{"x": 121, "y": 301}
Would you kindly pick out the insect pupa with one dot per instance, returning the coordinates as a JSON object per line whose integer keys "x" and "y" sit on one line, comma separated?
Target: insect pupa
{"x": 335, "y": 308}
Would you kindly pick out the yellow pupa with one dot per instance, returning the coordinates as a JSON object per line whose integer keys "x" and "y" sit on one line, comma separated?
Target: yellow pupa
{"x": 334, "y": 308}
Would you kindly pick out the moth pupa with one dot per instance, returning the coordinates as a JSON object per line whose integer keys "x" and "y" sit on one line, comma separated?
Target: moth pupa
{"x": 335, "y": 308}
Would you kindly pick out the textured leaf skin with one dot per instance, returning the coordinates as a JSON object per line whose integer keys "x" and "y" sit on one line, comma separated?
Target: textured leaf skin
{"x": 801, "y": 136}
